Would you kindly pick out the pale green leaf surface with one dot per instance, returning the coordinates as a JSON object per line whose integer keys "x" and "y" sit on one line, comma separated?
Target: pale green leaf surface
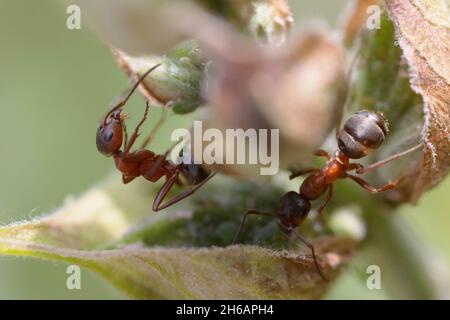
{"x": 87, "y": 231}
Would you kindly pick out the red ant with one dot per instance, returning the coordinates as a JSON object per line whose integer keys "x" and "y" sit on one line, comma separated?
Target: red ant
{"x": 363, "y": 132}
{"x": 142, "y": 162}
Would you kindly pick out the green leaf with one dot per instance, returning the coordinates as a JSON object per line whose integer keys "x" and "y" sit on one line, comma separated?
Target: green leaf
{"x": 110, "y": 230}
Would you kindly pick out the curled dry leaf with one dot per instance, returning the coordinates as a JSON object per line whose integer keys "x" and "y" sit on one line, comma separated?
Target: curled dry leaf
{"x": 401, "y": 82}
{"x": 87, "y": 231}
{"x": 380, "y": 82}
{"x": 424, "y": 37}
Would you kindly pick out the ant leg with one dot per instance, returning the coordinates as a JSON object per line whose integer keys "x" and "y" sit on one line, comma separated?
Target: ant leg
{"x": 155, "y": 129}
{"x": 311, "y": 247}
{"x": 162, "y": 193}
{"x": 135, "y": 134}
{"x": 157, "y": 206}
{"x": 249, "y": 212}
{"x": 375, "y": 190}
{"x": 318, "y": 153}
{"x": 353, "y": 166}
{"x": 319, "y": 218}
{"x": 323, "y": 154}
{"x": 362, "y": 170}
{"x": 133, "y": 89}
{"x": 326, "y": 202}
{"x": 159, "y": 162}
{"x": 343, "y": 103}
{"x": 300, "y": 173}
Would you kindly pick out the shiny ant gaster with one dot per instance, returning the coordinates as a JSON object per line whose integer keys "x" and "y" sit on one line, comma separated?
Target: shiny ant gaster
{"x": 363, "y": 132}
{"x": 112, "y": 134}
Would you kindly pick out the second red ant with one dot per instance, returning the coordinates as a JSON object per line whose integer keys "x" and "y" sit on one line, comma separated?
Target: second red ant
{"x": 112, "y": 135}
{"x": 363, "y": 132}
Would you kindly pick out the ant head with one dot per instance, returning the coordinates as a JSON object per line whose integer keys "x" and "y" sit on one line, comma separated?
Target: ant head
{"x": 363, "y": 132}
{"x": 110, "y": 133}
{"x": 293, "y": 211}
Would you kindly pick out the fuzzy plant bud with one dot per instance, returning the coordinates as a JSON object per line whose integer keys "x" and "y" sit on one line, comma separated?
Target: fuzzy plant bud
{"x": 270, "y": 21}
{"x": 176, "y": 82}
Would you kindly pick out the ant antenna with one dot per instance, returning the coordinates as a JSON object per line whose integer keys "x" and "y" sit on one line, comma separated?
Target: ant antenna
{"x": 156, "y": 127}
{"x": 133, "y": 89}
{"x": 353, "y": 62}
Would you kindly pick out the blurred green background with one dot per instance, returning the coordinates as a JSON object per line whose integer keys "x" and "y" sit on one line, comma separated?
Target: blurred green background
{"x": 55, "y": 86}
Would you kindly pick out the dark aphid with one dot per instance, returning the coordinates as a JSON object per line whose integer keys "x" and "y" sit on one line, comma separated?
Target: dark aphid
{"x": 132, "y": 164}
{"x": 363, "y": 132}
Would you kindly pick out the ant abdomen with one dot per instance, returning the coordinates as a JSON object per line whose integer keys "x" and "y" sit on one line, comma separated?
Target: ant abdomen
{"x": 193, "y": 173}
{"x": 363, "y": 132}
{"x": 293, "y": 210}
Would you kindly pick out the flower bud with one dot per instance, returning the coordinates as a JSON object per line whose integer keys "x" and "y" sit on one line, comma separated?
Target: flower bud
{"x": 176, "y": 82}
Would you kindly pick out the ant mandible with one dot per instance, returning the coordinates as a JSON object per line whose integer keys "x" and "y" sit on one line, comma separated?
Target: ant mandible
{"x": 363, "y": 132}
{"x": 112, "y": 134}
